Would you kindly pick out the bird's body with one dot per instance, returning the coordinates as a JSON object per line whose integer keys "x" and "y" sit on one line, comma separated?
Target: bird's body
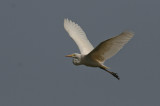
{"x": 86, "y": 60}
{"x": 94, "y": 57}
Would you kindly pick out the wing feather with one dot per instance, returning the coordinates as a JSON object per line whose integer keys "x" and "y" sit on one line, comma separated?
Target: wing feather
{"x": 110, "y": 47}
{"x": 78, "y": 35}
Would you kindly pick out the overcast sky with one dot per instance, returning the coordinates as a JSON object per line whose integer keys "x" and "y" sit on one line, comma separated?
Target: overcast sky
{"x": 33, "y": 43}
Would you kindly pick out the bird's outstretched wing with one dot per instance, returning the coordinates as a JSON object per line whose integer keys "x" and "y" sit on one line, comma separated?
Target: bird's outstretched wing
{"x": 110, "y": 47}
{"x": 78, "y": 35}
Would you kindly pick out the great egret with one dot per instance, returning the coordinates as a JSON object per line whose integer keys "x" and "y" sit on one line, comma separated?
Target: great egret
{"x": 94, "y": 57}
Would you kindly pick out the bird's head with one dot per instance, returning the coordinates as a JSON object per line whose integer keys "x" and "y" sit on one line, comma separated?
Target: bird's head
{"x": 76, "y": 58}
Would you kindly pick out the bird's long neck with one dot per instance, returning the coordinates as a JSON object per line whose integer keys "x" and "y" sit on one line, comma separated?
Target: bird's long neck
{"x": 81, "y": 59}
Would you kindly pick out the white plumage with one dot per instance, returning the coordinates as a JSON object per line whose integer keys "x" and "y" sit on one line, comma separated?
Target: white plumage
{"x": 94, "y": 57}
{"x": 78, "y": 35}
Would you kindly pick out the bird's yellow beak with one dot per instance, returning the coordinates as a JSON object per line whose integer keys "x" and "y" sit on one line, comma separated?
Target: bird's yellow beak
{"x": 71, "y": 55}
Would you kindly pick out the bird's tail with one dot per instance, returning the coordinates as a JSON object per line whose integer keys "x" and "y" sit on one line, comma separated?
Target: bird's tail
{"x": 112, "y": 73}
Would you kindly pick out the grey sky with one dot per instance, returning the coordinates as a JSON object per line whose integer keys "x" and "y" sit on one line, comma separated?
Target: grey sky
{"x": 33, "y": 42}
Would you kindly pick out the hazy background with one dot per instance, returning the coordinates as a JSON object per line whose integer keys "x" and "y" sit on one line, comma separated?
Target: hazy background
{"x": 33, "y": 43}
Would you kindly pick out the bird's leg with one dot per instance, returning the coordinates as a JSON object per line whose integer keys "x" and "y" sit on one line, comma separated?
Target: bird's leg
{"x": 113, "y": 73}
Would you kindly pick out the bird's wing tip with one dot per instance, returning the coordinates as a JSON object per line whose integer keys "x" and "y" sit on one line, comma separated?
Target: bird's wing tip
{"x": 66, "y": 19}
{"x": 129, "y": 32}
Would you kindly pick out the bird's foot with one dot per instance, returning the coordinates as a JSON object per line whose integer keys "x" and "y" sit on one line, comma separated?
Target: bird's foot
{"x": 115, "y": 75}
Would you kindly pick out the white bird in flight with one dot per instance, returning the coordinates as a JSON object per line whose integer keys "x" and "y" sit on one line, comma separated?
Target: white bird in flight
{"x": 95, "y": 57}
